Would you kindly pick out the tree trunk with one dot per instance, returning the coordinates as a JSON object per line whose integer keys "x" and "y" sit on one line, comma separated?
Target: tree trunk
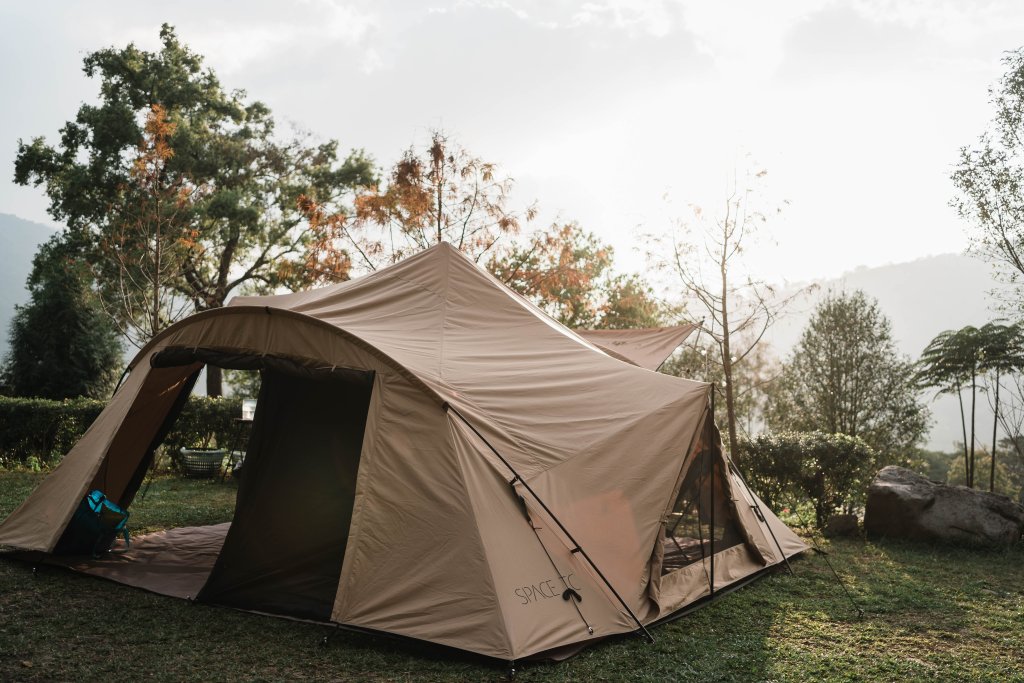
{"x": 730, "y": 403}
{"x": 155, "y": 328}
{"x": 995, "y": 423}
{"x": 963, "y": 426}
{"x": 974, "y": 395}
{"x": 214, "y": 381}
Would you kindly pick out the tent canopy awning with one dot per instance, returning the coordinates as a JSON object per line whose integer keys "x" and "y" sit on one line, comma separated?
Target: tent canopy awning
{"x": 647, "y": 347}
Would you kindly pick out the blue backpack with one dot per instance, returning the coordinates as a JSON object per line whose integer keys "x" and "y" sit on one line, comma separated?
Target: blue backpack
{"x": 95, "y": 526}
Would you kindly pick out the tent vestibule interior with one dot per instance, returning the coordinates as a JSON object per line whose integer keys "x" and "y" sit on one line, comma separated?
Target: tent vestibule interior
{"x": 433, "y": 457}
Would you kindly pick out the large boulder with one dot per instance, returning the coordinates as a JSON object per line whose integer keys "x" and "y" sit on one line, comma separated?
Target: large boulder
{"x": 903, "y": 504}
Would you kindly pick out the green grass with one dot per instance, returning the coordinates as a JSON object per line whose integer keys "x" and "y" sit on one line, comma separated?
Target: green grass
{"x": 930, "y": 614}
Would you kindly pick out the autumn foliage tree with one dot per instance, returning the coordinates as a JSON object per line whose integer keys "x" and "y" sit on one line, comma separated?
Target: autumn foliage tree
{"x": 439, "y": 194}
{"x": 568, "y": 273}
{"x": 446, "y": 194}
{"x": 148, "y": 241}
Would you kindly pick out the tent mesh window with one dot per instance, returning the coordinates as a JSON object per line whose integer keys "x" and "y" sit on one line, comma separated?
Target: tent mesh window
{"x": 693, "y": 527}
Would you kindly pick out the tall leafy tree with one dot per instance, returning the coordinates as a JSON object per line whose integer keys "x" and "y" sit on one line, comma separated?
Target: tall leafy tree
{"x": 629, "y": 302}
{"x": 981, "y": 359}
{"x": 1010, "y": 416}
{"x": 950, "y": 363}
{"x": 989, "y": 177}
{"x": 1002, "y": 356}
{"x": 246, "y": 229}
{"x": 62, "y": 343}
{"x": 845, "y": 376}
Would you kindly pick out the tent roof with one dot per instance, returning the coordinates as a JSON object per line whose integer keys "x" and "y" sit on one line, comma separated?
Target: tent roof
{"x": 493, "y": 355}
{"x": 647, "y": 347}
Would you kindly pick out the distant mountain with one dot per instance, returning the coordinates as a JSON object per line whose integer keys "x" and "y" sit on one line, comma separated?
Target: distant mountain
{"x": 921, "y": 298}
{"x": 19, "y": 240}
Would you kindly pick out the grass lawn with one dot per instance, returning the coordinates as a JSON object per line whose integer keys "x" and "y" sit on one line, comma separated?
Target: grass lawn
{"x": 930, "y": 614}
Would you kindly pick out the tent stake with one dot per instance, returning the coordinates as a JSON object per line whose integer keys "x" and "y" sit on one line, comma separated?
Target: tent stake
{"x": 641, "y": 628}
{"x": 824, "y": 556}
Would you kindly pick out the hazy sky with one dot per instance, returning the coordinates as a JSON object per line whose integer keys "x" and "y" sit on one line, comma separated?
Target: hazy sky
{"x": 599, "y": 110}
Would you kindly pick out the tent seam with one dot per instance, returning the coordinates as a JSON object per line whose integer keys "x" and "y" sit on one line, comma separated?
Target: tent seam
{"x": 345, "y": 334}
{"x": 483, "y": 547}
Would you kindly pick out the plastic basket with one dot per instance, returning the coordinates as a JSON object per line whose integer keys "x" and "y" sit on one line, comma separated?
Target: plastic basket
{"x": 201, "y": 464}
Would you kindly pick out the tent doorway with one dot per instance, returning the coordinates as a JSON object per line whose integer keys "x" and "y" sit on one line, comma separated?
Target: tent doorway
{"x": 284, "y": 549}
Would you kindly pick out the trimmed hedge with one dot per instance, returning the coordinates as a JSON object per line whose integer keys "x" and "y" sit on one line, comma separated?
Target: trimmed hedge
{"x": 831, "y": 470}
{"x": 38, "y": 432}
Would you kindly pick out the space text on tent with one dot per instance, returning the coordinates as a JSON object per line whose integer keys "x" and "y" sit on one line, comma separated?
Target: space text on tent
{"x": 544, "y": 590}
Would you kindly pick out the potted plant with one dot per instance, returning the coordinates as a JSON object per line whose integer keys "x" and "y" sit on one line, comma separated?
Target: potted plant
{"x": 202, "y": 460}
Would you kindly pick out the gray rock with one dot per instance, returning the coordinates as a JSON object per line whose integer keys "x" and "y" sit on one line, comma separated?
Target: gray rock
{"x": 841, "y": 525}
{"x": 903, "y": 504}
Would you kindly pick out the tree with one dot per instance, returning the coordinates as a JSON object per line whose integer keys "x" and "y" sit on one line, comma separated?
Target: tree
{"x": 446, "y": 194}
{"x": 442, "y": 194}
{"x": 982, "y": 358}
{"x": 707, "y": 259}
{"x": 949, "y": 363}
{"x": 246, "y": 230}
{"x": 845, "y": 377}
{"x": 62, "y": 344}
{"x": 149, "y": 241}
{"x": 1011, "y": 419}
{"x": 629, "y": 302}
{"x": 1007, "y": 477}
{"x": 755, "y": 378}
{"x": 989, "y": 177}
{"x": 567, "y": 272}
{"x": 1002, "y": 355}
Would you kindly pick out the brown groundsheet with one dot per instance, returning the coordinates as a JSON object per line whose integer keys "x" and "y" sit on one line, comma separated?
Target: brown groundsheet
{"x": 176, "y": 562}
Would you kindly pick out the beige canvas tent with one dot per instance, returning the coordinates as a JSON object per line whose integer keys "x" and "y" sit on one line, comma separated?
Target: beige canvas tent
{"x": 431, "y": 457}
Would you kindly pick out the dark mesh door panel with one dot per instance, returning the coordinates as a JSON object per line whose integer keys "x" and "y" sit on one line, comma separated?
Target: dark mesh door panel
{"x": 702, "y": 516}
{"x": 284, "y": 551}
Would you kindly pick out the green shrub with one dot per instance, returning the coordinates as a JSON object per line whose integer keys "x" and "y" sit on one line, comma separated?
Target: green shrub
{"x": 38, "y": 432}
{"x": 830, "y": 470}
{"x": 205, "y": 423}
{"x": 42, "y": 429}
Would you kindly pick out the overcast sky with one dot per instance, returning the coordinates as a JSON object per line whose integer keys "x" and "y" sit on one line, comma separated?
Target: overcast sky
{"x": 616, "y": 114}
